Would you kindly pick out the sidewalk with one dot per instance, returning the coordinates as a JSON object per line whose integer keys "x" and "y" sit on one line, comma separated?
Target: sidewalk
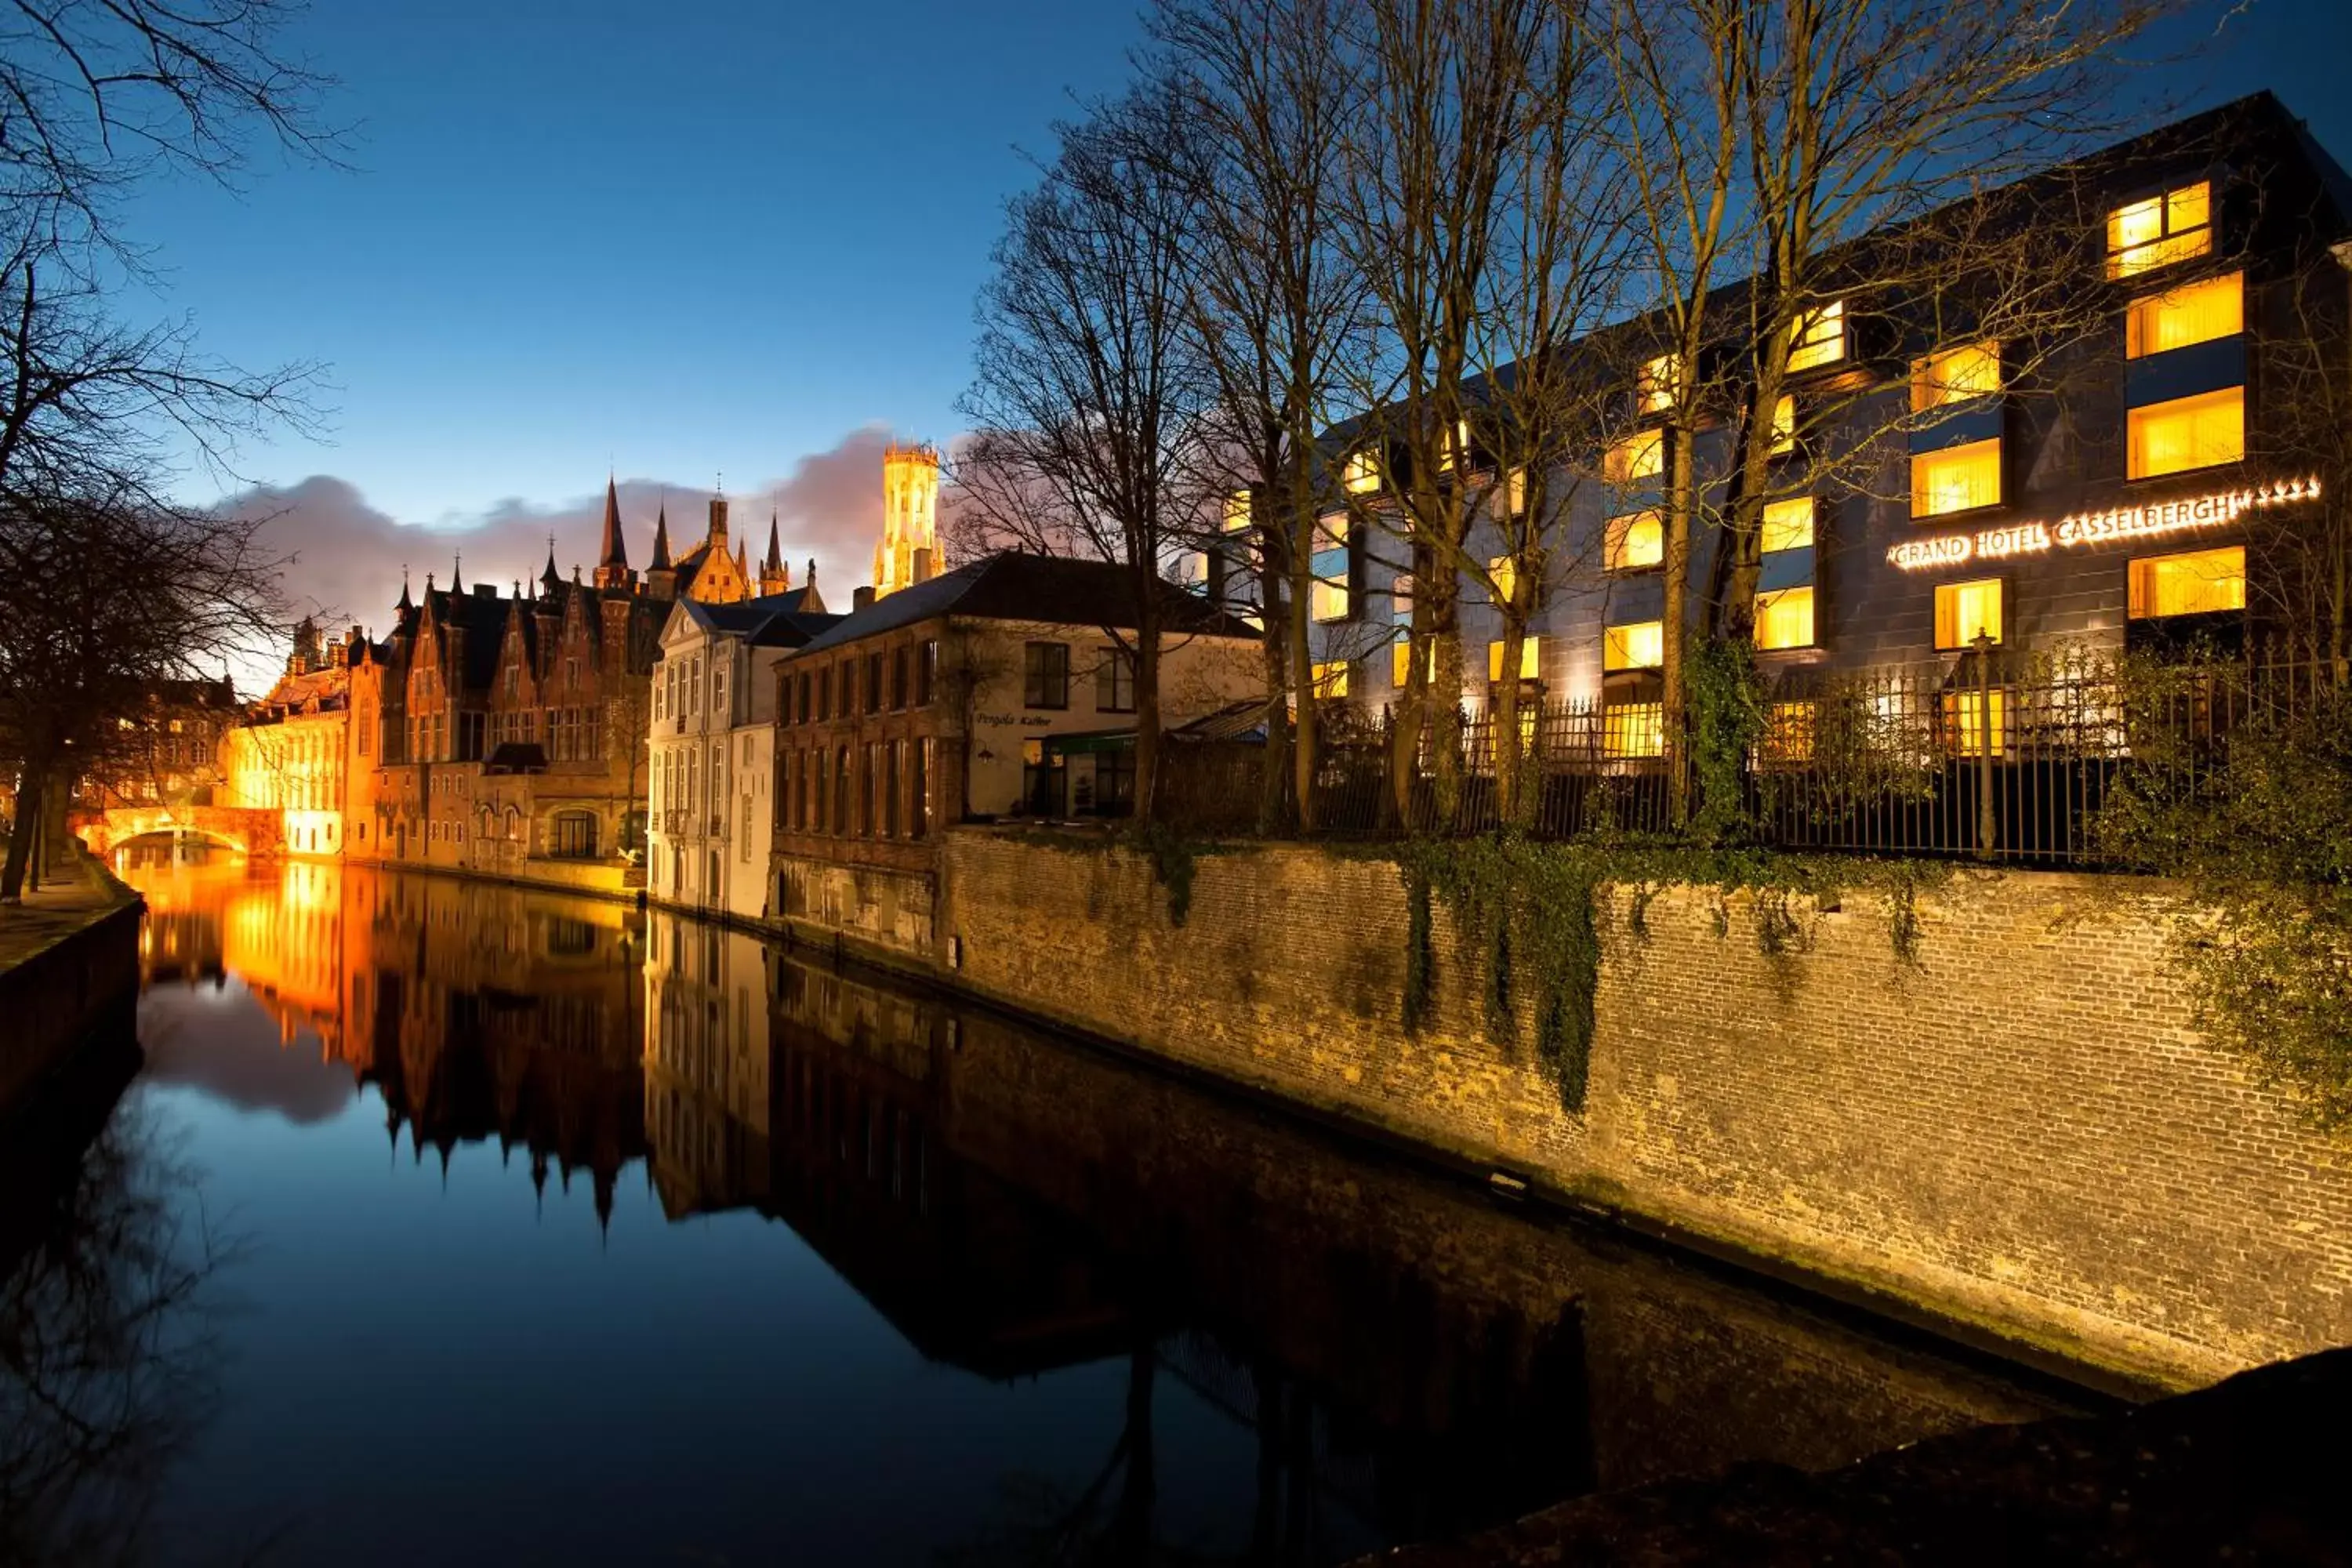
{"x": 72, "y": 894}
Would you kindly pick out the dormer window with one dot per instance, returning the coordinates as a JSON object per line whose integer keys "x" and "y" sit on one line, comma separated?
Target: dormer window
{"x": 1362, "y": 473}
{"x": 2160, "y": 230}
{"x": 1818, "y": 337}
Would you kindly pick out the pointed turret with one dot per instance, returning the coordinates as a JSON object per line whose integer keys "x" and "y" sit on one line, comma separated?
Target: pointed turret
{"x": 406, "y": 604}
{"x": 613, "y": 565}
{"x": 774, "y": 577}
{"x": 457, "y": 583}
{"x": 661, "y": 540}
{"x": 550, "y": 579}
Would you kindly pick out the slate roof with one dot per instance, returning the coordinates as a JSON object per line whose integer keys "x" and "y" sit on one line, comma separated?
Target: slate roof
{"x": 1012, "y": 586}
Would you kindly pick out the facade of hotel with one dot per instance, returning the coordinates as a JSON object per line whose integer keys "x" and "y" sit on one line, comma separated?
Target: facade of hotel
{"x": 2166, "y": 471}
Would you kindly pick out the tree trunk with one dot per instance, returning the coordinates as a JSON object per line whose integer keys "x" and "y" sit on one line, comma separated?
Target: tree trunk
{"x": 1146, "y": 719}
{"x": 1446, "y": 699}
{"x": 31, "y": 798}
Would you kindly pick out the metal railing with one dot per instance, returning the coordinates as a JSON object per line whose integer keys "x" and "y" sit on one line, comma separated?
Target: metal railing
{"x": 1994, "y": 754}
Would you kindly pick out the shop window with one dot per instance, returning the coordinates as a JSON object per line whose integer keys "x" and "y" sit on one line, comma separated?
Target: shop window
{"x": 1641, "y": 456}
{"x": 1330, "y": 678}
{"x": 2192, "y": 313}
{"x": 1966, "y": 610}
{"x": 2160, "y": 230}
{"x": 1818, "y": 337}
{"x": 1634, "y": 730}
{"x": 2187, "y": 433}
{"x": 1635, "y": 543}
{"x": 1955, "y": 376}
{"x": 1784, "y": 618}
{"x": 1046, "y": 675}
{"x": 2197, "y": 583}
{"x": 1531, "y": 659}
{"x": 1787, "y": 524}
{"x": 1958, "y": 478}
{"x": 1641, "y": 645}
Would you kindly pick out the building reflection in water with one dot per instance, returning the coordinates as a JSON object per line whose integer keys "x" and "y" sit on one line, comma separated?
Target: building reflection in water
{"x": 1391, "y": 1357}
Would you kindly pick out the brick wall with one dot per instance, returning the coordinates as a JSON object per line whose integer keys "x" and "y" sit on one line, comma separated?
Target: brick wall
{"x": 890, "y": 910}
{"x": 2015, "y": 1128}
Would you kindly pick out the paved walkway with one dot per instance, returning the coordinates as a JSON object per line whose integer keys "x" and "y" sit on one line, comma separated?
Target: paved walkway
{"x": 72, "y": 894}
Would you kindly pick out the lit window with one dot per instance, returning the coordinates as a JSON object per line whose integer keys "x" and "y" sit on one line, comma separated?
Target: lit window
{"x": 1784, "y": 425}
{"x": 1964, "y": 715}
{"x": 1511, "y": 495}
{"x": 1330, "y": 600}
{"x": 2196, "y": 584}
{"x": 1787, "y": 524}
{"x": 1530, "y": 660}
{"x": 2159, "y": 231}
{"x": 1332, "y": 679}
{"x": 1640, "y": 645}
{"x": 2194, "y": 314}
{"x": 1784, "y": 618}
{"x": 1504, "y": 572}
{"x": 1632, "y": 543}
{"x": 1955, "y": 377}
{"x": 1400, "y": 598}
{"x": 1237, "y": 512}
{"x": 1362, "y": 474}
{"x": 1634, "y": 730}
{"x": 1958, "y": 478}
{"x": 1789, "y": 733}
{"x": 1818, "y": 337}
{"x": 2187, "y": 433}
{"x": 1963, "y": 610}
{"x": 1401, "y": 661}
{"x": 1641, "y": 456}
{"x": 1656, "y": 381}
{"x": 1456, "y": 453}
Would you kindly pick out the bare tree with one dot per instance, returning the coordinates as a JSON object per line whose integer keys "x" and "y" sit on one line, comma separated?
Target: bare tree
{"x": 1273, "y": 308}
{"x": 1084, "y": 403}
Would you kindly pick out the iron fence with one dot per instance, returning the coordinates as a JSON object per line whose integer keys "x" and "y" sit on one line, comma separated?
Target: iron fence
{"x": 1995, "y": 753}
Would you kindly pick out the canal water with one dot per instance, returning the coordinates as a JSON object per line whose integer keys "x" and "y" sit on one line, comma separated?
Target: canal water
{"x": 431, "y": 1221}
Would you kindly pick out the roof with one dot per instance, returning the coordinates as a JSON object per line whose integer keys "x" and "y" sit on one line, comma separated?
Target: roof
{"x": 777, "y": 620}
{"x": 1012, "y": 586}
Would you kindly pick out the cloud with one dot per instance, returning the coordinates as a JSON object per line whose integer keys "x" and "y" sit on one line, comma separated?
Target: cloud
{"x": 349, "y": 555}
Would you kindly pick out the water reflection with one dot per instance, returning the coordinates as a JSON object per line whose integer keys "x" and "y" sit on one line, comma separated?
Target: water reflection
{"x": 1024, "y": 1304}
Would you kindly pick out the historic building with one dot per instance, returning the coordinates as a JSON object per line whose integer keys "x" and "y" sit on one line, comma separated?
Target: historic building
{"x": 292, "y": 752}
{"x": 966, "y": 696}
{"x": 169, "y": 755}
{"x": 507, "y": 735}
{"x": 712, "y": 750}
{"x": 2163, "y": 463}
{"x": 909, "y": 550}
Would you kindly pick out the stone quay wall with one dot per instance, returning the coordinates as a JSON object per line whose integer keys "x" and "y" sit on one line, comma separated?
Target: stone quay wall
{"x": 74, "y": 985}
{"x": 2011, "y": 1133}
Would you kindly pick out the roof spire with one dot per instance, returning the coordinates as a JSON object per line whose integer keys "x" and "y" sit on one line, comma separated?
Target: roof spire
{"x": 456, "y": 563}
{"x": 775, "y": 561}
{"x": 550, "y": 579}
{"x": 661, "y": 539}
{"x": 616, "y": 554}
{"x": 406, "y": 603}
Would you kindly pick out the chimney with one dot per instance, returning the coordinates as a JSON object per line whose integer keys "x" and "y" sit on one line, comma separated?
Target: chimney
{"x": 861, "y": 599}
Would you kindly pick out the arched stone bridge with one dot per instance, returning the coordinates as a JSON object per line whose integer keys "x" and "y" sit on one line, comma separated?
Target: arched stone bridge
{"x": 250, "y": 831}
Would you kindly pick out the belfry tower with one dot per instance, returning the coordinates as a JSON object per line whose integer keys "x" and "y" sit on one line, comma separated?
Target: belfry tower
{"x": 908, "y": 552}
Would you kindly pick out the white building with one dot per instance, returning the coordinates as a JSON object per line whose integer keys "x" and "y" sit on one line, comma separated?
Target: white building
{"x": 713, "y": 748}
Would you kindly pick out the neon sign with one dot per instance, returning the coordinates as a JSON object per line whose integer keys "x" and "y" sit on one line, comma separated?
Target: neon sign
{"x": 2087, "y": 529}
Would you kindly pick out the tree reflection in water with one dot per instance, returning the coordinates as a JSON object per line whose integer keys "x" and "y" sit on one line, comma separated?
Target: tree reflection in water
{"x": 107, "y": 1356}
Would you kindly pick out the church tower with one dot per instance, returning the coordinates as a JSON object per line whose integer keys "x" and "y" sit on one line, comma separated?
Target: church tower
{"x": 775, "y": 577}
{"x": 910, "y": 547}
{"x": 612, "y": 574}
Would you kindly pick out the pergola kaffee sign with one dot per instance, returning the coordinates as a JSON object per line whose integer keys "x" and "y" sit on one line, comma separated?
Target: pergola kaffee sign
{"x": 2086, "y": 530}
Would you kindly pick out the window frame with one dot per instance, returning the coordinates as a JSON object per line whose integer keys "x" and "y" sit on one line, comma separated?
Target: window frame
{"x": 1040, "y": 677}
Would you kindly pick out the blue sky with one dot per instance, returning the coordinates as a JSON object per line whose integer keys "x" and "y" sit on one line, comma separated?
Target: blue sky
{"x": 707, "y": 237}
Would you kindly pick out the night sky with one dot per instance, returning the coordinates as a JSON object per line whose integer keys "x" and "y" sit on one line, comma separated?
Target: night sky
{"x": 709, "y": 237}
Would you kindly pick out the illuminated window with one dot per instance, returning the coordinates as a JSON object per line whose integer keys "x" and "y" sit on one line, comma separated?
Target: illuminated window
{"x": 1965, "y": 609}
{"x": 1530, "y": 662}
{"x": 2194, "y": 314}
{"x": 1789, "y": 733}
{"x": 1332, "y": 679}
{"x": 1955, "y": 377}
{"x": 1456, "y": 453}
{"x": 1641, "y": 456}
{"x": 1632, "y": 543}
{"x": 2196, "y": 584}
{"x": 2187, "y": 433}
{"x": 1634, "y": 730}
{"x": 2159, "y": 231}
{"x": 1784, "y": 618}
{"x": 1639, "y": 645}
{"x": 1511, "y": 495}
{"x": 1400, "y": 598}
{"x": 1656, "y": 381}
{"x": 1818, "y": 337}
{"x": 1330, "y": 599}
{"x": 1958, "y": 478}
{"x": 1401, "y": 661}
{"x": 1964, "y": 718}
{"x": 1362, "y": 473}
{"x": 1784, "y": 425}
{"x": 1504, "y": 572}
{"x": 1787, "y": 524}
